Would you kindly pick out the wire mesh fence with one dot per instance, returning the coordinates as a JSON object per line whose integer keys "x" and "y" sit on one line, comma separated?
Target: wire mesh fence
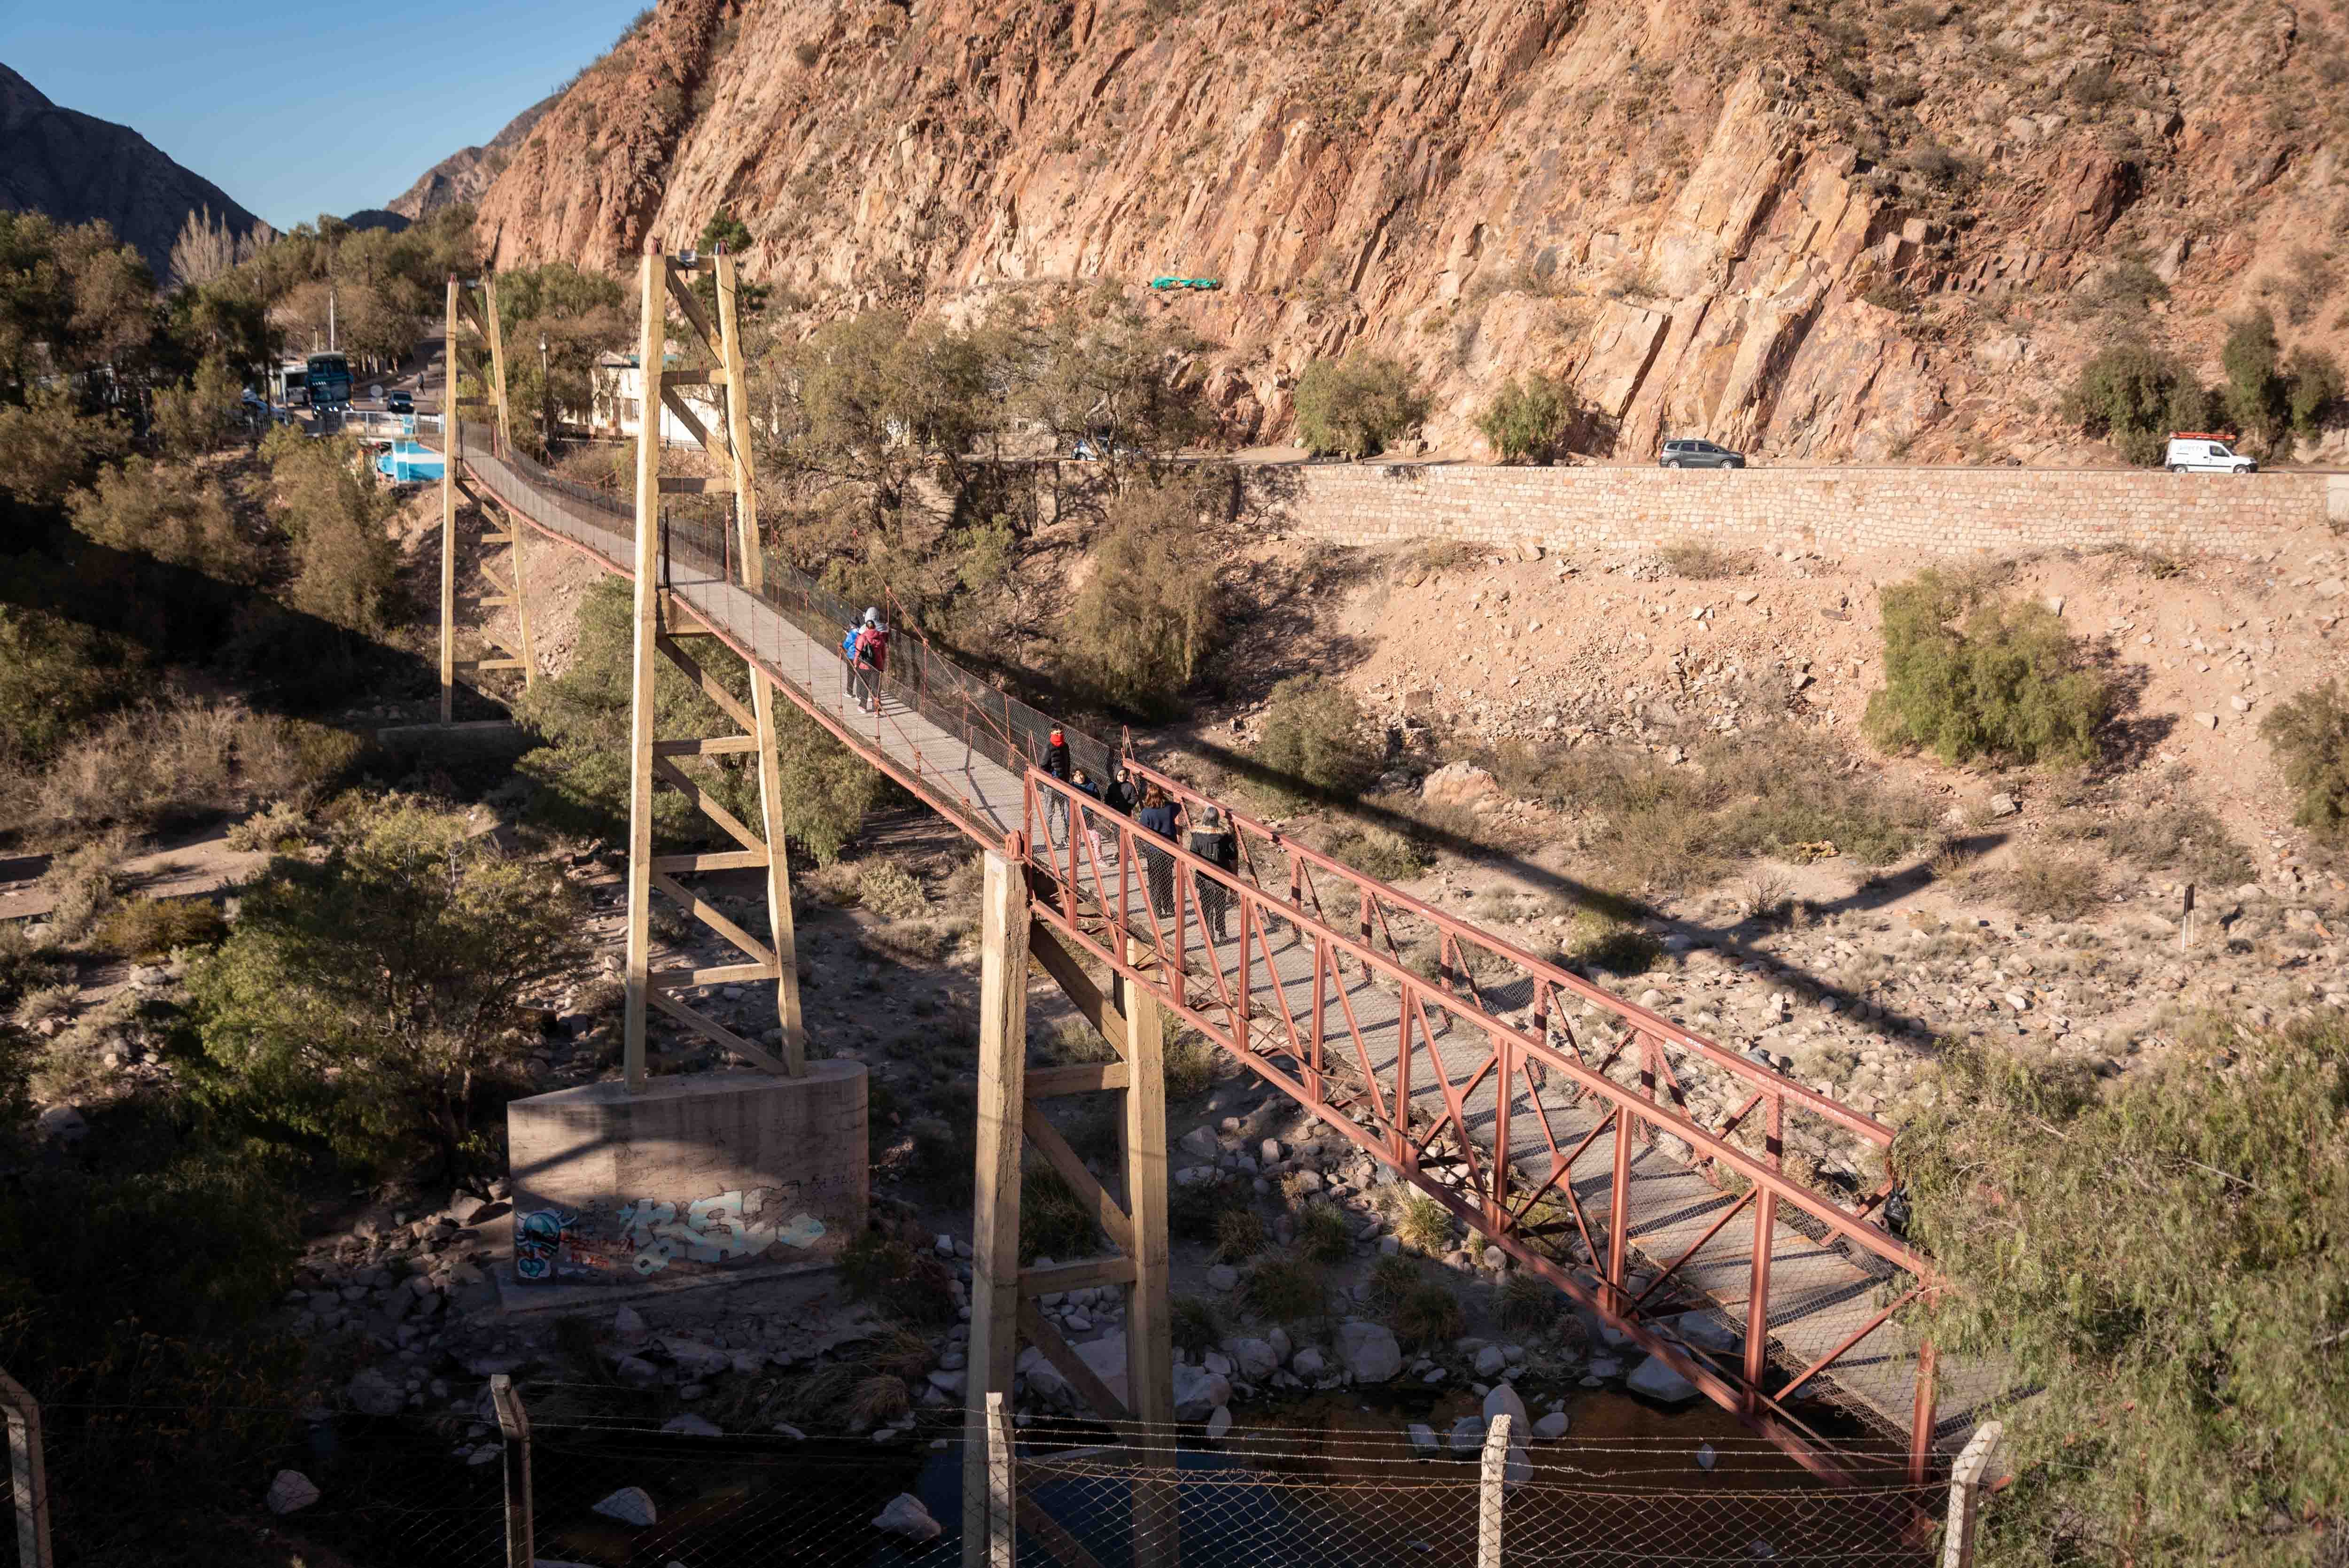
{"x": 197, "y": 1485}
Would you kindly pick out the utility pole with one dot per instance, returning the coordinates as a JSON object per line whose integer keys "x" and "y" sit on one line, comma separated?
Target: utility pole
{"x": 545, "y": 396}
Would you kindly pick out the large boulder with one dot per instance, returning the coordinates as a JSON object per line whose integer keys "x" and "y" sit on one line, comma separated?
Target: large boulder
{"x": 1458, "y": 784}
{"x": 1199, "y": 1391}
{"x": 629, "y": 1505}
{"x": 1660, "y": 1383}
{"x": 906, "y": 1519}
{"x": 1467, "y": 1436}
{"x": 1705, "y": 1332}
{"x": 1369, "y": 1351}
{"x": 1256, "y": 1359}
{"x": 291, "y": 1492}
{"x": 372, "y": 1393}
{"x": 1503, "y": 1401}
{"x": 1106, "y": 1357}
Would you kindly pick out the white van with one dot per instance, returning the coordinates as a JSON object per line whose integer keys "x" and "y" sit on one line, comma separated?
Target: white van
{"x": 2191, "y": 452}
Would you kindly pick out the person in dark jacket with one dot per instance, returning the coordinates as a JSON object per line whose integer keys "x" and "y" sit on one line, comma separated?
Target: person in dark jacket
{"x": 1056, "y": 763}
{"x": 1083, "y": 782}
{"x": 1120, "y": 796}
{"x": 1212, "y": 844}
{"x": 1157, "y": 816}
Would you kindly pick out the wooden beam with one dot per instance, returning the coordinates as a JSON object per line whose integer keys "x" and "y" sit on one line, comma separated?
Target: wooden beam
{"x": 712, "y": 745}
{"x": 653, "y": 331}
{"x": 1085, "y": 1078}
{"x": 994, "y": 1345}
{"x": 679, "y": 292}
{"x": 1081, "y": 1182}
{"x": 709, "y": 860}
{"x": 694, "y": 484}
{"x": 1083, "y": 1274}
{"x": 713, "y": 975}
{"x": 711, "y": 1027}
{"x": 1071, "y": 1366}
{"x": 712, "y": 916}
{"x": 685, "y": 415}
{"x": 728, "y": 703}
{"x": 1069, "y": 975}
{"x": 1149, "y": 1325}
{"x": 685, "y": 784}
{"x": 715, "y": 377}
{"x": 448, "y": 526}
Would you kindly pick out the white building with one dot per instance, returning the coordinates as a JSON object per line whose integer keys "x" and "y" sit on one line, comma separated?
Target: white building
{"x": 620, "y": 402}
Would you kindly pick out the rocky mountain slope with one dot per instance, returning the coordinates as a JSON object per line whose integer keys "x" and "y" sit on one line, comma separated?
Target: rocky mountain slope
{"x": 467, "y": 173}
{"x": 1820, "y": 230}
{"x": 76, "y": 168}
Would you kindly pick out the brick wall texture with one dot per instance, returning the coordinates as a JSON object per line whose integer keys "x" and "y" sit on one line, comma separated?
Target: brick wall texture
{"x": 1925, "y": 512}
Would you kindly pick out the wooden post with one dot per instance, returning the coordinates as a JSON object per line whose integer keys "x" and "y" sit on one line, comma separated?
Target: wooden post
{"x": 513, "y": 1421}
{"x": 1002, "y": 1486}
{"x": 1491, "y": 1488}
{"x": 995, "y": 1208}
{"x": 29, "y": 1482}
{"x": 652, "y": 344}
{"x": 448, "y": 511}
{"x": 780, "y": 928}
{"x": 1965, "y": 1495}
{"x": 1149, "y": 1319}
{"x": 496, "y": 334}
{"x": 1921, "y": 1415}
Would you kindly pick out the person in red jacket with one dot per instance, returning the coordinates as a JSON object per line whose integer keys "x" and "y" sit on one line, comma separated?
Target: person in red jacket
{"x": 872, "y": 660}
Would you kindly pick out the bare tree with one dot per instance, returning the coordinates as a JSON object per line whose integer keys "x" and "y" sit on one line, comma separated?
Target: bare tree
{"x": 207, "y": 249}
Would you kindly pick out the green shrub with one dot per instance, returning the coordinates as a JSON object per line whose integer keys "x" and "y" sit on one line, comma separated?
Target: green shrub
{"x": 1312, "y": 738}
{"x": 1189, "y": 1064}
{"x": 56, "y": 673}
{"x": 1240, "y": 1236}
{"x": 1145, "y": 622}
{"x": 2159, "y": 1258}
{"x": 2256, "y": 397}
{"x": 1392, "y": 1277}
{"x": 943, "y": 1157}
{"x": 2310, "y": 736}
{"x": 887, "y": 1270}
{"x": 2010, "y": 684}
{"x": 1054, "y": 1222}
{"x": 345, "y": 569}
{"x": 1379, "y": 852}
{"x": 1197, "y": 1327}
{"x": 1595, "y": 942}
{"x": 152, "y": 927}
{"x": 1355, "y": 406}
{"x": 1322, "y": 1233}
{"x": 47, "y": 447}
{"x": 1423, "y": 1223}
{"x": 1527, "y": 419}
{"x": 2135, "y": 395}
{"x": 1285, "y": 1289}
{"x": 886, "y": 889}
{"x": 175, "y": 514}
{"x": 1426, "y": 1316}
{"x": 1195, "y": 1209}
{"x": 1528, "y": 1302}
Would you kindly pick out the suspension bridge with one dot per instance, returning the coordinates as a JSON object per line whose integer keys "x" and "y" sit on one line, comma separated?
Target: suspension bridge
{"x": 1636, "y": 1166}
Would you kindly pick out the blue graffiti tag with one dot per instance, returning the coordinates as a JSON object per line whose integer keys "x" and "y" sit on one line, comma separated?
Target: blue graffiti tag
{"x": 538, "y": 1238}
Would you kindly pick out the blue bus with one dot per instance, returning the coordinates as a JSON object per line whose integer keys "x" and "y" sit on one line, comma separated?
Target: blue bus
{"x": 330, "y": 380}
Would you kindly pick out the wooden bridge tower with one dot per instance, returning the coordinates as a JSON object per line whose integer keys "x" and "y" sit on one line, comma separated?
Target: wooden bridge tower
{"x": 488, "y": 355}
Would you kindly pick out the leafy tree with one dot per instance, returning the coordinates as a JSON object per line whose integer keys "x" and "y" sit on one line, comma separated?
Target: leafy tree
{"x": 2163, "y": 1261}
{"x": 1355, "y": 406}
{"x": 1313, "y": 735}
{"x": 169, "y": 513}
{"x": 726, "y": 230}
{"x": 71, "y": 299}
{"x": 200, "y": 415}
{"x": 47, "y": 448}
{"x": 2313, "y": 387}
{"x": 1528, "y": 420}
{"x": 55, "y": 673}
{"x": 372, "y": 998}
{"x": 1101, "y": 368}
{"x": 2135, "y": 396}
{"x": 579, "y": 316}
{"x": 584, "y": 714}
{"x": 345, "y": 569}
{"x": 1145, "y": 622}
{"x": 2310, "y": 735}
{"x": 2009, "y": 681}
{"x": 2255, "y": 392}
{"x": 865, "y": 402}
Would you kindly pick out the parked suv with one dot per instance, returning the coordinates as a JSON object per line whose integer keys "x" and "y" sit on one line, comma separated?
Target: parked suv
{"x": 1699, "y": 455}
{"x": 400, "y": 403}
{"x": 2194, "y": 452}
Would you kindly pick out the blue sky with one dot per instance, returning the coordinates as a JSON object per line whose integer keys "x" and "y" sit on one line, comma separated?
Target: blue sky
{"x": 297, "y": 109}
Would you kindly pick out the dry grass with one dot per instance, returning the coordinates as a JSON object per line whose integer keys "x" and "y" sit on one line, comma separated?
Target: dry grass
{"x": 1285, "y": 1289}
{"x": 155, "y": 764}
{"x": 1704, "y": 563}
{"x": 886, "y": 889}
{"x": 2058, "y": 886}
{"x": 1240, "y": 1236}
{"x": 1323, "y": 1234}
{"x": 1190, "y": 1066}
{"x": 152, "y": 927}
{"x": 1426, "y": 1316}
{"x": 1424, "y": 1224}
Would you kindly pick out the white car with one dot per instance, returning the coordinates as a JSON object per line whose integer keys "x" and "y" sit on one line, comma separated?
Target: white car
{"x": 2193, "y": 454}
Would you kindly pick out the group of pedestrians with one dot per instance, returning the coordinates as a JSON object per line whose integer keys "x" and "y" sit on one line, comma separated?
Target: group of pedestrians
{"x": 1209, "y": 838}
{"x": 864, "y": 660}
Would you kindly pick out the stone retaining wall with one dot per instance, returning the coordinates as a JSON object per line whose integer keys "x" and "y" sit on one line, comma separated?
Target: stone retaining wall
{"x": 1926, "y": 512}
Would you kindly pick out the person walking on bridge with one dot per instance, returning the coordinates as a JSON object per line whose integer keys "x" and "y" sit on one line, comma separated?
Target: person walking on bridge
{"x": 1157, "y": 816}
{"x": 1083, "y": 782}
{"x": 1120, "y": 796}
{"x": 1213, "y": 845}
{"x": 872, "y": 660}
{"x": 1056, "y": 763}
{"x": 848, "y": 663}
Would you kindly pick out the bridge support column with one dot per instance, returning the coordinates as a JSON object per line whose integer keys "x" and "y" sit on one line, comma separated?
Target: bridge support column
{"x": 448, "y": 511}
{"x": 482, "y": 320}
{"x": 994, "y": 1211}
{"x": 642, "y": 665}
{"x": 1149, "y": 1315}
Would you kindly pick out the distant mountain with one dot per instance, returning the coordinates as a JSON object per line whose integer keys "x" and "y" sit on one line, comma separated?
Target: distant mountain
{"x": 466, "y": 173}
{"x": 76, "y": 167}
{"x": 376, "y": 218}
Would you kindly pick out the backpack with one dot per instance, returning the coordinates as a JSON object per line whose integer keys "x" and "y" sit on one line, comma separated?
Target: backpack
{"x": 873, "y": 647}
{"x": 848, "y": 643}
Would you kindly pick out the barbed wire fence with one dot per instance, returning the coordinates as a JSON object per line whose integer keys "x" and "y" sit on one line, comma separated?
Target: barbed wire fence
{"x": 499, "y": 1488}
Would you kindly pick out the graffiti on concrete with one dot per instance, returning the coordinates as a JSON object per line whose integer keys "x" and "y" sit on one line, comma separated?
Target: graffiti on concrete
{"x": 608, "y": 1242}
{"x": 724, "y": 1228}
{"x": 538, "y": 1242}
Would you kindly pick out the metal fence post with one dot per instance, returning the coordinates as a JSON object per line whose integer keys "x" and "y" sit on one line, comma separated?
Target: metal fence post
{"x": 1965, "y": 1495}
{"x": 30, "y": 1484}
{"x": 1489, "y": 1490}
{"x": 514, "y": 1422}
{"x": 1002, "y": 1486}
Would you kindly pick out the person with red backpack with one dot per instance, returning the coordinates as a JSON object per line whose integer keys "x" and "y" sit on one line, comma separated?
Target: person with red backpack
{"x": 872, "y": 660}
